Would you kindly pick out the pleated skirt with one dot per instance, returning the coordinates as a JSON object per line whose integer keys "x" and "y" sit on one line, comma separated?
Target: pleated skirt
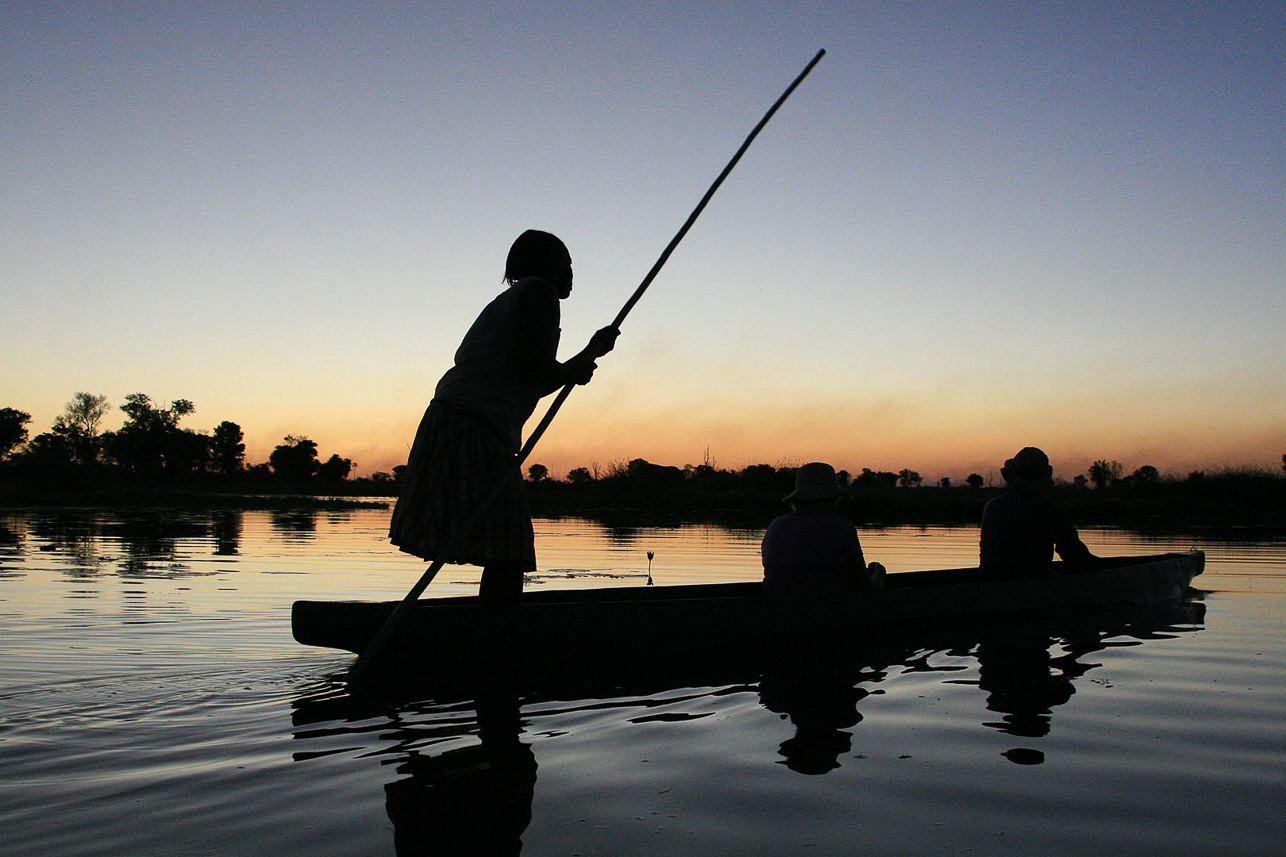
{"x": 455, "y": 461}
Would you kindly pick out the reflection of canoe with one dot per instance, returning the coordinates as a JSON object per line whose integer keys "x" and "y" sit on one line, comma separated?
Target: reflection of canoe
{"x": 584, "y": 624}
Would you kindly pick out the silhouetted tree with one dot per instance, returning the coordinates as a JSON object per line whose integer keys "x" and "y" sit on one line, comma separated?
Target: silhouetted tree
{"x": 579, "y": 476}
{"x": 537, "y": 472}
{"x": 78, "y": 426}
{"x": 869, "y": 478}
{"x": 151, "y": 439}
{"x": 73, "y": 440}
{"x": 49, "y": 451}
{"x": 703, "y": 474}
{"x": 84, "y": 412}
{"x": 909, "y": 478}
{"x": 1080, "y": 481}
{"x": 975, "y": 480}
{"x": 944, "y": 482}
{"x": 296, "y": 458}
{"x": 1103, "y": 472}
{"x": 187, "y": 451}
{"x": 335, "y": 469}
{"x": 13, "y": 430}
{"x": 227, "y": 448}
{"x": 1147, "y": 474}
{"x": 759, "y": 475}
{"x": 640, "y": 471}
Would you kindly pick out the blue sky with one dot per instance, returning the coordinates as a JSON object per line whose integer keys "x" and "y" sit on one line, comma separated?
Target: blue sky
{"x": 974, "y": 227}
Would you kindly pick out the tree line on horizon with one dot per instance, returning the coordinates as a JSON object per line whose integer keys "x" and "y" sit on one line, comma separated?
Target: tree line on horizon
{"x": 1102, "y": 473}
{"x": 151, "y": 442}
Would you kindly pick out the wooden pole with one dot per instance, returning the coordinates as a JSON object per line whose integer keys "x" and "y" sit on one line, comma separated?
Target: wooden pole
{"x": 372, "y": 650}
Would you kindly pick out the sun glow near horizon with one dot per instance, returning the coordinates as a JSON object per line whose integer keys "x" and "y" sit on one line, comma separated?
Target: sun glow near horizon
{"x": 883, "y": 435}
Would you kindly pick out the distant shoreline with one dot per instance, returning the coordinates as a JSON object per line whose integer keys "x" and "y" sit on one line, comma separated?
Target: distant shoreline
{"x": 1229, "y": 506}
{"x": 196, "y": 493}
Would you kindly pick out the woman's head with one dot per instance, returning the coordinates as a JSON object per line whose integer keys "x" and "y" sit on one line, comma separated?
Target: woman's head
{"x": 539, "y": 254}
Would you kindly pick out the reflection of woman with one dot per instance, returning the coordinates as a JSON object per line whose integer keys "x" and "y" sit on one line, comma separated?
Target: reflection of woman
{"x": 472, "y": 429}
{"x": 473, "y": 800}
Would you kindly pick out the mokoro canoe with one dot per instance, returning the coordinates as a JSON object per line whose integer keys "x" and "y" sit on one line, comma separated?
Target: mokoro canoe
{"x": 589, "y": 622}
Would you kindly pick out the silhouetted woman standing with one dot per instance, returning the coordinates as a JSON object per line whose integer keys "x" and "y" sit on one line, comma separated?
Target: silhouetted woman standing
{"x": 472, "y": 429}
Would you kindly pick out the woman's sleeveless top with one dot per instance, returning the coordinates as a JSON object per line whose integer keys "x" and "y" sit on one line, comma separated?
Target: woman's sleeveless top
{"x": 492, "y": 377}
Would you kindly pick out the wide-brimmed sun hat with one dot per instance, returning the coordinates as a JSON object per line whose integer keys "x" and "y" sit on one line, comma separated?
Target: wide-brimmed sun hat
{"x": 815, "y": 481}
{"x": 1028, "y": 470}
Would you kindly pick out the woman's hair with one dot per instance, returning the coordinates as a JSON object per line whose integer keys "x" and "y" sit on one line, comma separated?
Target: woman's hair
{"x": 536, "y": 254}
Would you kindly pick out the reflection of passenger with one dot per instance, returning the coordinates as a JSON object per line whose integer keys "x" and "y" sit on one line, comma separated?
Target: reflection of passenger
{"x": 1022, "y": 682}
{"x": 471, "y": 431}
{"x": 468, "y": 801}
{"x": 821, "y": 701}
{"x": 1021, "y": 529}
{"x": 813, "y": 549}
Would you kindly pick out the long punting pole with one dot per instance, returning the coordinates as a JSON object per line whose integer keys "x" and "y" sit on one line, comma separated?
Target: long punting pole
{"x": 372, "y": 650}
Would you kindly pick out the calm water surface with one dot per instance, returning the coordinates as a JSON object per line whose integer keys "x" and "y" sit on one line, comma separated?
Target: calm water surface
{"x": 153, "y": 702}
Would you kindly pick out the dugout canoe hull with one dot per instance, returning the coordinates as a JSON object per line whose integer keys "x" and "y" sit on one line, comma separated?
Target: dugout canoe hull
{"x": 614, "y": 621}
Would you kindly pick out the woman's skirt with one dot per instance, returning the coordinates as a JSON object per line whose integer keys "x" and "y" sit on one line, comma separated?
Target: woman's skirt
{"x": 455, "y": 462}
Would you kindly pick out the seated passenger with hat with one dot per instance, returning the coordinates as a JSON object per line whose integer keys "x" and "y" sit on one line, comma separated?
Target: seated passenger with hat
{"x": 813, "y": 549}
{"x": 1021, "y": 529}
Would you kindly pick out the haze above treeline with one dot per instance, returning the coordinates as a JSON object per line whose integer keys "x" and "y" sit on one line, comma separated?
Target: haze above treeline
{"x": 151, "y": 441}
{"x": 151, "y": 459}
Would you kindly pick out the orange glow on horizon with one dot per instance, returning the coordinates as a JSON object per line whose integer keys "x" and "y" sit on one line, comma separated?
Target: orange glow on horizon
{"x": 933, "y": 446}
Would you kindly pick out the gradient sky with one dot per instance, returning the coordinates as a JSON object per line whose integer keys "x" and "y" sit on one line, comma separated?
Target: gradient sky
{"x": 973, "y": 228}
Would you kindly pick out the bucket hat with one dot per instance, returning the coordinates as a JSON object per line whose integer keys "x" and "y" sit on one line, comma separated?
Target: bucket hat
{"x": 1029, "y": 470}
{"x": 815, "y": 481}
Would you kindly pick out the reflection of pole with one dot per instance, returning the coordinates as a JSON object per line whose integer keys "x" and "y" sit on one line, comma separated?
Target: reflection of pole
{"x": 394, "y": 620}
